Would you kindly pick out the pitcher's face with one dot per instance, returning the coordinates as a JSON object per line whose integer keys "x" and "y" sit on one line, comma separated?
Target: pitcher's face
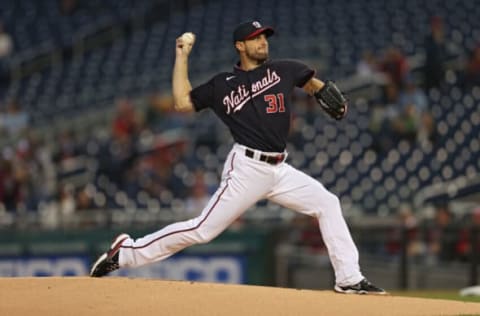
{"x": 256, "y": 49}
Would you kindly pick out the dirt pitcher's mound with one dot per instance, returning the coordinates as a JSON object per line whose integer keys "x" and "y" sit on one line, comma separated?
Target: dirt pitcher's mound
{"x": 138, "y": 297}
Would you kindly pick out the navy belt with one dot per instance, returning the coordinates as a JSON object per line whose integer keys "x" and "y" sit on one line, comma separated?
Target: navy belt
{"x": 273, "y": 160}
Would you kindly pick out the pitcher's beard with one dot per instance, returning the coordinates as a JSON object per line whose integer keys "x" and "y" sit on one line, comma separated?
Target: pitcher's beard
{"x": 258, "y": 58}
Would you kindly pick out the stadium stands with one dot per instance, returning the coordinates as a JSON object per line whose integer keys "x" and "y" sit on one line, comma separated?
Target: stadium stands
{"x": 136, "y": 61}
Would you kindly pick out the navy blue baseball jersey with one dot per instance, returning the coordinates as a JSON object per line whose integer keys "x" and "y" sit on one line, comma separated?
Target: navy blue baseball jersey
{"x": 255, "y": 104}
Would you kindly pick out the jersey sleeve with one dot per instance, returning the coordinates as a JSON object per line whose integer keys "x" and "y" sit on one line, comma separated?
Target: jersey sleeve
{"x": 301, "y": 72}
{"x": 202, "y": 96}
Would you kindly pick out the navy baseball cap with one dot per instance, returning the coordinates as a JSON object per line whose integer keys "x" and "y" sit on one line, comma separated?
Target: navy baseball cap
{"x": 250, "y": 29}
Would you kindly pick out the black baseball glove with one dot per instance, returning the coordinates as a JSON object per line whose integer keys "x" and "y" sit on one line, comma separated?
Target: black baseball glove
{"x": 332, "y": 100}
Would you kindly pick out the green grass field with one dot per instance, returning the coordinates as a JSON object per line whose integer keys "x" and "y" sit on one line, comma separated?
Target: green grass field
{"x": 439, "y": 294}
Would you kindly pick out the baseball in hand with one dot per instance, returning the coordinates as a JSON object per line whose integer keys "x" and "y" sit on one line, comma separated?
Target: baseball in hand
{"x": 188, "y": 38}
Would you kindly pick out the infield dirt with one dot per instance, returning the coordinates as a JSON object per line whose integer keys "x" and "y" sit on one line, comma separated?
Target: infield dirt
{"x": 140, "y": 297}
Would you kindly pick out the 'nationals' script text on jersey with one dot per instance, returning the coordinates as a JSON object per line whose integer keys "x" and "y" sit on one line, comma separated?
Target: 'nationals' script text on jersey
{"x": 237, "y": 99}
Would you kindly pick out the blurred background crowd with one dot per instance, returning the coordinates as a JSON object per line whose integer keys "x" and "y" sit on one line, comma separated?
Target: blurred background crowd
{"x": 87, "y": 122}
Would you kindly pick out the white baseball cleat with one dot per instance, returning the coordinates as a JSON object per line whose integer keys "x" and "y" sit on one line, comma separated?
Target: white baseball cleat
{"x": 362, "y": 287}
{"x": 108, "y": 261}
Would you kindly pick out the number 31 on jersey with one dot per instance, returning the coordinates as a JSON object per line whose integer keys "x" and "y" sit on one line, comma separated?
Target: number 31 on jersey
{"x": 276, "y": 103}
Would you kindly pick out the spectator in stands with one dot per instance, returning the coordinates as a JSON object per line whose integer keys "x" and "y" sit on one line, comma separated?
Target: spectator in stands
{"x": 472, "y": 71}
{"x": 464, "y": 245}
{"x": 160, "y": 115}
{"x": 126, "y": 122}
{"x": 66, "y": 146}
{"x": 153, "y": 113}
{"x": 441, "y": 237}
{"x": 122, "y": 149}
{"x": 395, "y": 66}
{"x": 6, "y": 43}
{"x": 25, "y": 175}
{"x": 368, "y": 68}
{"x": 60, "y": 208}
{"x": 415, "y": 120}
{"x": 34, "y": 159}
{"x": 2, "y": 119}
{"x": 10, "y": 192}
{"x": 14, "y": 121}
{"x": 407, "y": 227}
{"x": 121, "y": 155}
{"x": 401, "y": 115}
{"x": 435, "y": 54}
{"x": 412, "y": 95}
{"x": 67, "y": 7}
{"x": 66, "y": 200}
{"x": 406, "y": 125}
{"x": 6, "y": 48}
{"x": 368, "y": 65}
{"x": 383, "y": 113}
{"x": 83, "y": 200}
{"x": 390, "y": 122}
{"x": 28, "y": 173}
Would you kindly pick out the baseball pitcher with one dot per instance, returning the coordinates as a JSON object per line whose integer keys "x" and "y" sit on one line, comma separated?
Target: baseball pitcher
{"x": 254, "y": 101}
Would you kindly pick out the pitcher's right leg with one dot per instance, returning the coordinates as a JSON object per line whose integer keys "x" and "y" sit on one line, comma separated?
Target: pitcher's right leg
{"x": 162, "y": 244}
{"x": 238, "y": 190}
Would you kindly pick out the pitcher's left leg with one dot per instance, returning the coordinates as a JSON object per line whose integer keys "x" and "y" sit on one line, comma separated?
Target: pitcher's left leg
{"x": 300, "y": 192}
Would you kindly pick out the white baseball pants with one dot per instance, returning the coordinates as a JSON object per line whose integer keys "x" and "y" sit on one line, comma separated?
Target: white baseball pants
{"x": 245, "y": 181}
